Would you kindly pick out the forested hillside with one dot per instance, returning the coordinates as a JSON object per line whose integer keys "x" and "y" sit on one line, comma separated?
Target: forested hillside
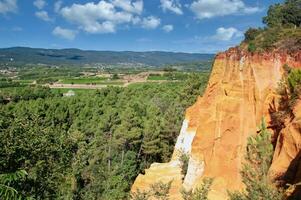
{"x": 90, "y": 146}
{"x": 23, "y": 55}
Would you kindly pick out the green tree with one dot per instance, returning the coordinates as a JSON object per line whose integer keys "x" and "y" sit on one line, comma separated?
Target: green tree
{"x": 255, "y": 169}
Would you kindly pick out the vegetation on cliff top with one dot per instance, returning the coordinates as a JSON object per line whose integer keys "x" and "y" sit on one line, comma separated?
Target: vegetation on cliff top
{"x": 282, "y": 29}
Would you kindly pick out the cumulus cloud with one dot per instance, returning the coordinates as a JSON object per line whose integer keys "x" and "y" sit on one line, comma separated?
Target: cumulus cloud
{"x": 167, "y": 28}
{"x": 129, "y": 6}
{"x": 106, "y": 15}
{"x": 171, "y": 5}
{"x": 101, "y": 17}
{"x": 7, "y": 6}
{"x": 212, "y": 8}
{"x": 40, "y": 4}
{"x": 64, "y": 33}
{"x": 150, "y": 22}
{"x": 43, "y": 15}
{"x": 226, "y": 34}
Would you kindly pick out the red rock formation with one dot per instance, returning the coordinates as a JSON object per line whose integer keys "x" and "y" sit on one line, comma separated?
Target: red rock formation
{"x": 240, "y": 92}
{"x": 286, "y": 164}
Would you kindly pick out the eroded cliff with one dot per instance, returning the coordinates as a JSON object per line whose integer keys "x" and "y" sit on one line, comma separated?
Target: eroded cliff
{"x": 241, "y": 90}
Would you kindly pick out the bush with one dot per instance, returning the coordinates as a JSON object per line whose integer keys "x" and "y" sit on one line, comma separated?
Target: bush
{"x": 159, "y": 191}
{"x": 294, "y": 81}
{"x": 255, "y": 169}
{"x": 184, "y": 159}
{"x": 251, "y": 34}
{"x": 200, "y": 193}
{"x": 252, "y": 47}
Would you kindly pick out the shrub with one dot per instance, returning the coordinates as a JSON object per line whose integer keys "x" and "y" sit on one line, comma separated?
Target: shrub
{"x": 184, "y": 159}
{"x": 200, "y": 193}
{"x": 294, "y": 81}
{"x": 255, "y": 169}
{"x": 159, "y": 191}
{"x": 252, "y": 47}
{"x": 251, "y": 34}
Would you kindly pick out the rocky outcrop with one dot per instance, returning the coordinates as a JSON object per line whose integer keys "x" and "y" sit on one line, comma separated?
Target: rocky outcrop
{"x": 241, "y": 90}
{"x": 286, "y": 166}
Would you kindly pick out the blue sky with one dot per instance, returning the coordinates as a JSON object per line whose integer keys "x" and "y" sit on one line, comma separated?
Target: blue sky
{"x": 205, "y": 26}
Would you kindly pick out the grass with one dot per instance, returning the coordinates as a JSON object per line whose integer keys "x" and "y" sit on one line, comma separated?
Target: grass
{"x": 137, "y": 85}
{"x": 84, "y": 80}
{"x": 25, "y": 82}
{"x": 157, "y": 78}
{"x": 110, "y": 83}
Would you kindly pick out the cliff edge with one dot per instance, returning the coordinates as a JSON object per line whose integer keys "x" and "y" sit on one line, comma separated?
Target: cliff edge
{"x": 241, "y": 90}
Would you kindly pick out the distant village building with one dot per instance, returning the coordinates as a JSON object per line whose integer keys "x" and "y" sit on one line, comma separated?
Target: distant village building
{"x": 70, "y": 93}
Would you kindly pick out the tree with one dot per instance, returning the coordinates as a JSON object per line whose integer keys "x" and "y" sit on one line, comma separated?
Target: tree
{"x": 252, "y": 33}
{"x": 255, "y": 169}
{"x": 285, "y": 14}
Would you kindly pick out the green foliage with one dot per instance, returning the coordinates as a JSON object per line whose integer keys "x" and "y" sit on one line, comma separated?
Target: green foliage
{"x": 294, "y": 82}
{"x": 7, "y": 182}
{"x": 26, "y": 93}
{"x": 251, "y": 34}
{"x": 286, "y": 14}
{"x": 251, "y": 47}
{"x": 4, "y": 83}
{"x": 200, "y": 193}
{"x": 159, "y": 191}
{"x": 255, "y": 169}
{"x": 115, "y": 77}
{"x": 282, "y": 30}
{"x": 274, "y": 16}
{"x": 46, "y": 80}
{"x": 93, "y": 145}
{"x": 184, "y": 159}
{"x": 138, "y": 195}
{"x": 84, "y": 80}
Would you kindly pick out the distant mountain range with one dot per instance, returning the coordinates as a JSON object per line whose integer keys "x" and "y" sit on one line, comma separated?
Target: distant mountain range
{"x": 24, "y": 55}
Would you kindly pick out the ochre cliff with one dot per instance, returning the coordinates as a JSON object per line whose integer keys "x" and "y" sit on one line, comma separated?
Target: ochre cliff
{"x": 241, "y": 90}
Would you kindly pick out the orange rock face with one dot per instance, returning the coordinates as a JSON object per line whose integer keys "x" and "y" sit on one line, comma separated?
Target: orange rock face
{"x": 241, "y": 89}
{"x": 286, "y": 164}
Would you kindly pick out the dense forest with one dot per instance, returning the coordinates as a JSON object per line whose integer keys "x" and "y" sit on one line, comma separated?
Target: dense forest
{"x": 90, "y": 146}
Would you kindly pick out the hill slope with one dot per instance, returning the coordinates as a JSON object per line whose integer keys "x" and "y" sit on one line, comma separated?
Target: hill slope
{"x": 22, "y": 55}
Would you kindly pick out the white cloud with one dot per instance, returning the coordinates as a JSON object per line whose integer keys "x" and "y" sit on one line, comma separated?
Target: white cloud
{"x": 43, "y": 15}
{"x": 64, "y": 33}
{"x": 57, "y": 6}
{"x": 171, "y": 5}
{"x": 129, "y": 6}
{"x": 7, "y": 6}
{"x": 226, "y": 34}
{"x": 167, "y": 28}
{"x": 150, "y": 22}
{"x": 212, "y": 8}
{"x": 96, "y": 18}
{"x": 40, "y": 4}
